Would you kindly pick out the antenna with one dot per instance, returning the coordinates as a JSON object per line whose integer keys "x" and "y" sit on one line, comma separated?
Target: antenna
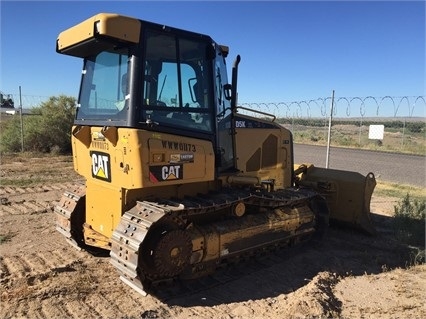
{"x": 162, "y": 87}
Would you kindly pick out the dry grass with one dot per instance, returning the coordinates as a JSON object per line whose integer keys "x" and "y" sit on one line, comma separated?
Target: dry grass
{"x": 386, "y": 189}
{"x": 29, "y": 169}
{"x": 353, "y": 136}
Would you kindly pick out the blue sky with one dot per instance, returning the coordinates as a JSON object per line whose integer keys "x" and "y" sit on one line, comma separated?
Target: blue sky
{"x": 290, "y": 50}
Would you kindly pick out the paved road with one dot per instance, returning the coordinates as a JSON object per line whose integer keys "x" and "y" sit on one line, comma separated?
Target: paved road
{"x": 391, "y": 167}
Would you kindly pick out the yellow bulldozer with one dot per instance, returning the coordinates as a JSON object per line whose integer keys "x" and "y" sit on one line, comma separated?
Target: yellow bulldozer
{"x": 179, "y": 180}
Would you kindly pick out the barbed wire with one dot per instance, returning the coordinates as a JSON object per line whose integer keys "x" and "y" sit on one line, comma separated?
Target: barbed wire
{"x": 401, "y": 106}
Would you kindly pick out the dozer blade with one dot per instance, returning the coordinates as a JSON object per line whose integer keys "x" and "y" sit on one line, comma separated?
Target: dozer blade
{"x": 348, "y": 194}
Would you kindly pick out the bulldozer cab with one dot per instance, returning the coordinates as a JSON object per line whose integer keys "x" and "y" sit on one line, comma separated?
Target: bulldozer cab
{"x": 173, "y": 81}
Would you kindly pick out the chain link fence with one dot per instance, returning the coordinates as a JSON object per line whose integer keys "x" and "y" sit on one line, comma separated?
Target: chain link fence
{"x": 387, "y": 123}
{"x": 382, "y": 123}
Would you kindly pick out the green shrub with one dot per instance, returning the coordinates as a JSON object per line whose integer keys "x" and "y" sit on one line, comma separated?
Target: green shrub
{"x": 409, "y": 221}
{"x": 416, "y": 127}
{"x": 11, "y": 136}
{"x": 315, "y": 138}
{"x": 46, "y": 129}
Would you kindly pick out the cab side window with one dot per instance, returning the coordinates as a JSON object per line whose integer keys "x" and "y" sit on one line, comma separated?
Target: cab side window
{"x": 176, "y": 82}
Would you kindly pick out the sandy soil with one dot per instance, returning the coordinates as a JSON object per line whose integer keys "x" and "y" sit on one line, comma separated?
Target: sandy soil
{"x": 350, "y": 275}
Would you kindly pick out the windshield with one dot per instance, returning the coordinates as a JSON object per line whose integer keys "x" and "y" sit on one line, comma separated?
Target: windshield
{"x": 172, "y": 88}
{"x": 103, "y": 93}
{"x": 177, "y": 82}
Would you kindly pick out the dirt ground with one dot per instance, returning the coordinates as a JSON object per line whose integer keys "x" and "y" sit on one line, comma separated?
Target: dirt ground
{"x": 350, "y": 275}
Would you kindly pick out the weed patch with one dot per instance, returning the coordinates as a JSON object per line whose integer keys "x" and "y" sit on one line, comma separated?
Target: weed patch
{"x": 409, "y": 221}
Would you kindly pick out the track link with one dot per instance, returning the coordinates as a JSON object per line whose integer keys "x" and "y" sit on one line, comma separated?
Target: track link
{"x": 127, "y": 238}
{"x": 70, "y": 215}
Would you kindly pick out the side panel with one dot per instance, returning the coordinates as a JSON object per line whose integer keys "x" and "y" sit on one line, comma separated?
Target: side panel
{"x": 174, "y": 160}
{"x": 103, "y": 207}
{"x": 136, "y": 159}
{"x": 264, "y": 150}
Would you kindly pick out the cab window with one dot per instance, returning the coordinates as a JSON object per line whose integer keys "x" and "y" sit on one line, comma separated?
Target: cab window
{"x": 176, "y": 90}
{"x": 104, "y": 91}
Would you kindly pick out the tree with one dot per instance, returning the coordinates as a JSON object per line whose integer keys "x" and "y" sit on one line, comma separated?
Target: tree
{"x": 46, "y": 129}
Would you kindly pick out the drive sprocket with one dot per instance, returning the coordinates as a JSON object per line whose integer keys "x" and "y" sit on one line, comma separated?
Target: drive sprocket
{"x": 172, "y": 253}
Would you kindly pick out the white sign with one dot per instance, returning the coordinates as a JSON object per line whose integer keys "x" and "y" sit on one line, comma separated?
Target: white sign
{"x": 376, "y": 132}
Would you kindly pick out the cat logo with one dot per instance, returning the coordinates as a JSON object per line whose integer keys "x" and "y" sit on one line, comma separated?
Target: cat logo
{"x": 101, "y": 167}
{"x": 165, "y": 173}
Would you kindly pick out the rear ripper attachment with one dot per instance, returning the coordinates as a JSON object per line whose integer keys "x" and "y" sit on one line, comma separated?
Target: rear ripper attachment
{"x": 169, "y": 241}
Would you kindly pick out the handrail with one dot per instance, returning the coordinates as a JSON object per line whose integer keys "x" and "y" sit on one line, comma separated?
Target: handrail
{"x": 256, "y": 111}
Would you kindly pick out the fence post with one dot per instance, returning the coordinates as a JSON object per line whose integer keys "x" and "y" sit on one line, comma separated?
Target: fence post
{"x": 403, "y": 133}
{"x": 22, "y": 124}
{"x": 329, "y": 131}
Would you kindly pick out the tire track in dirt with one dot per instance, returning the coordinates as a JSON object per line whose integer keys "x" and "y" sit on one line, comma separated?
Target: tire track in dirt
{"x": 44, "y": 280}
{"x": 12, "y": 190}
{"x": 14, "y": 202}
{"x": 26, "y": 208}
{"x": 104, "y": 306}
{"x": 35, "y": 266}
{"x": 81, "y": 309}
{"x": 47, "y": 309}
